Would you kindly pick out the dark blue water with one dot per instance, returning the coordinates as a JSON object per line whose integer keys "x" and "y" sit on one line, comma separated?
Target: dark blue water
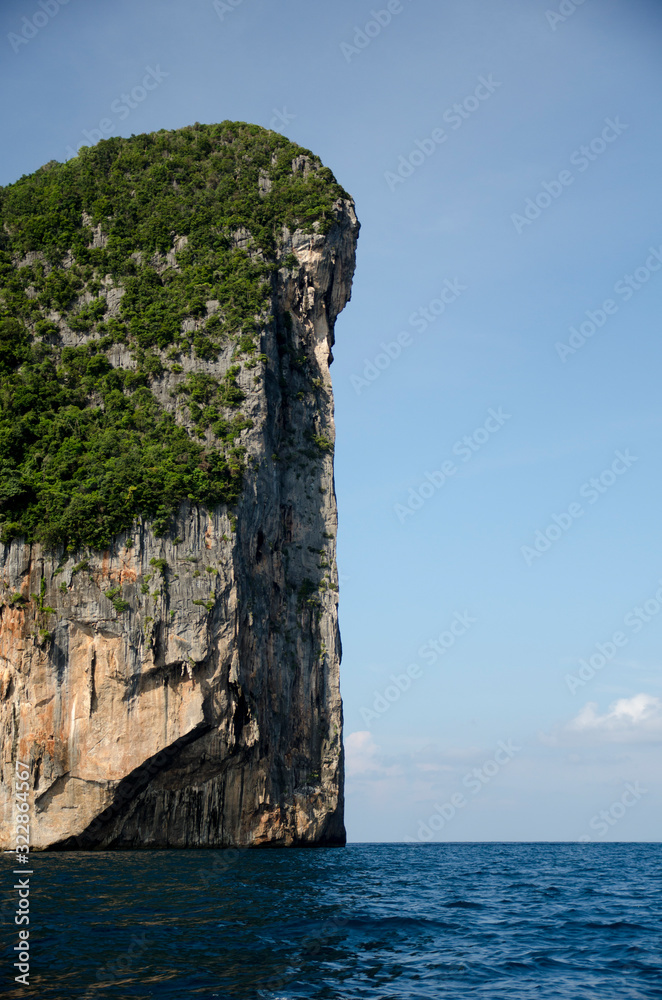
{"x": 507, "y": 921}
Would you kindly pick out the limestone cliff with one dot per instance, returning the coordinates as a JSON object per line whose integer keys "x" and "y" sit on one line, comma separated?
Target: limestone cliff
{"x": 179, "y": 687}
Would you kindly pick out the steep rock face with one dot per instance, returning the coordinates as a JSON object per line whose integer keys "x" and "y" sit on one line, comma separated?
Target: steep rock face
{"x": 199, "y": 704}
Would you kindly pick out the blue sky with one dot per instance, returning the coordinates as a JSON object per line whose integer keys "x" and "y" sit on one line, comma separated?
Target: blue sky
{"x": 545, "y": 106}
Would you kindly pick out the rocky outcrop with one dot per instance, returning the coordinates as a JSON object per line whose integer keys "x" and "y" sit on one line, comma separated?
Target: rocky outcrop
{"x": 183, "y": 690}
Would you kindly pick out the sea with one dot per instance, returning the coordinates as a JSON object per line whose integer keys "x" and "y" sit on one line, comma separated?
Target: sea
{"x": 365, "y": 922}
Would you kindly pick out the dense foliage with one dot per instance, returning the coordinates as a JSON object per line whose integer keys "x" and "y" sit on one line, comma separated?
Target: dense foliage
{"x": 85, "y": 447}
{"x": 76, "y": 472}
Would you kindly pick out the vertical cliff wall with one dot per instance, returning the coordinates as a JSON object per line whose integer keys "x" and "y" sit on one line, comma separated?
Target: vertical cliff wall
{"x": 177, "y": 684}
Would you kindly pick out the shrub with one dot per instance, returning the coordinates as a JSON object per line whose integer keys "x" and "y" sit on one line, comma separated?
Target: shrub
{"x": 85, "y": 447}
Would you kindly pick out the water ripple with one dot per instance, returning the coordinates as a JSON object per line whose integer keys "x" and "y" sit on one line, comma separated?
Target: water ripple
{"x": 369, "y": 922}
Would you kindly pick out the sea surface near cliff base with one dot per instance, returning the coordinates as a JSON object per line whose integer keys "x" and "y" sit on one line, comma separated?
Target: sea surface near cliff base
{"x": 506, "y": 921}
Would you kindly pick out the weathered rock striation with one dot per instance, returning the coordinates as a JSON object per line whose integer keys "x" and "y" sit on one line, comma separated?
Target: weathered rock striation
{"x": 181, "y": 689}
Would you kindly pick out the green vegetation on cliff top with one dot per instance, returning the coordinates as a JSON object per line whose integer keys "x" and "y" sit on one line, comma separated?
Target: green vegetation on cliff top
{"x": 85, "y": 447}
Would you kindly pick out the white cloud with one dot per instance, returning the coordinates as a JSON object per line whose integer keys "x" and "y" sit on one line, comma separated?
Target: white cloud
{"x": 410, "y": 758}
{"x": 635, "y": 720}
{"x": 411, "y": 767}
{"x": 642, "y": 712}
{"x": 628, "y": 720}
{"x": 360, "y": 750}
